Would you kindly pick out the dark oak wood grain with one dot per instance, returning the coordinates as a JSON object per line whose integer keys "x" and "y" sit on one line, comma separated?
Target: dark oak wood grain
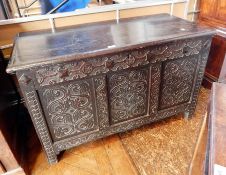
{"x": 80, "y": 86}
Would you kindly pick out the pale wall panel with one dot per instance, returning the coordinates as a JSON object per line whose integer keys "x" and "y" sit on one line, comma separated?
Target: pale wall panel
{"x": 191, "y": 7}
{"x": 144, "y": 11}
{"x": 8, "y": 32}
{"x": 82, "y": 19}
{"x": 189, "y": 17}
{"x": 178, "y": 10}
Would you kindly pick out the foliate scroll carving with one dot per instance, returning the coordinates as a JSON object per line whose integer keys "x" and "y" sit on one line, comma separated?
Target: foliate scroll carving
{"x": 80, "y": 69}
{"x": 177, "y": 81}
{"x": 75, "y": 70}
{"x": 128, "y": 94}
{"x": 130, "y": 59}
{"x": 176, "y": 49}
{"x": 69, "y": 109}
{"x": 120, "y": 127}
{"x": 69, "y": 143}
{"x": 101, "y": 101}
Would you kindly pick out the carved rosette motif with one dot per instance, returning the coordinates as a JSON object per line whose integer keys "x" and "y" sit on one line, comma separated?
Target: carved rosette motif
{"x": 101, "y": 101}
{"x": 69, "y": 109}
{"x": 128, "y": 94}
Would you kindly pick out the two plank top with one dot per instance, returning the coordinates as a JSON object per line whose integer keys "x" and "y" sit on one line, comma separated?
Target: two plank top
{"x": 86, "y": 41}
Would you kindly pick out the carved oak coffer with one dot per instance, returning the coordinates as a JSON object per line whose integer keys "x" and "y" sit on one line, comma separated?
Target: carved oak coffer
{"x": 94, "y": 80}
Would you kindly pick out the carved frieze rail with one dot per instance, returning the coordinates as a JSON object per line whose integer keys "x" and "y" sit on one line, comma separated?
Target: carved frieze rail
{"x": 50, "y": 75}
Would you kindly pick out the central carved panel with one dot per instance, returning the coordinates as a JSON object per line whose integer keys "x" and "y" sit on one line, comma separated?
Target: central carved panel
{"x": 128, "y": 94}
{"x": 69, "y": 108}
{"x": 177, "y": 82}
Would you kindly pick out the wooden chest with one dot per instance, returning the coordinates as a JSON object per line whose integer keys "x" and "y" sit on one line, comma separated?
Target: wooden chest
{"x": 94, "y": 80}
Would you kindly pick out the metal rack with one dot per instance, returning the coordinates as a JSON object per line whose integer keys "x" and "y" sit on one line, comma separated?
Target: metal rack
{"x": 5, "y": 9}
{"x": 115, "y": 7}
{"x": 29, "y": 6}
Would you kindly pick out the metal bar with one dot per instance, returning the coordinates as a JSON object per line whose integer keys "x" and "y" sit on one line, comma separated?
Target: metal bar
{"x": 85, "y": 11}
{"x": 117, "y": 15}
{"x": 29, "y": 5}
{"x": 18, "y": 9}
{"x": 171, "y": 7}
{"x": 26, "y": 11}
{"x": 52, "y": 24}
{"x": 3, "y": 10}
{"x": 58, "y": 6}
{"x": 186, "y": 9}
{"x": 7, "y": 9}
{"x": 196, "y": 11}
{"x": 194, "y": 8}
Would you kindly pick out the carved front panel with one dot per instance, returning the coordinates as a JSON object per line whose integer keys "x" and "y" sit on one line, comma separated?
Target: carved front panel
{"x": 177, "y": 81}
{"x": 69, "y": 108}
{"x": 128, "y": 94}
